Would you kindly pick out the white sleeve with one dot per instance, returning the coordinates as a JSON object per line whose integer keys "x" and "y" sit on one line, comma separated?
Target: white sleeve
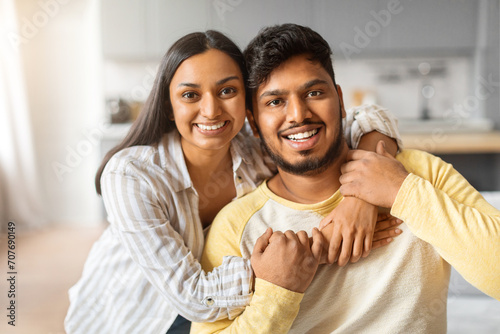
{"x": 367, "y": 118}
{"x": 145, "y": 231}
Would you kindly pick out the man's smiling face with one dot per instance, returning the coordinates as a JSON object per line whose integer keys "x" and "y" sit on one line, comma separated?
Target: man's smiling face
{"x": 298, "y": 112}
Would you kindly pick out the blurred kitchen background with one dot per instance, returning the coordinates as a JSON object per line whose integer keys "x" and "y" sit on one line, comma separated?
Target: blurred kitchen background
{"x": 74, "y": 75}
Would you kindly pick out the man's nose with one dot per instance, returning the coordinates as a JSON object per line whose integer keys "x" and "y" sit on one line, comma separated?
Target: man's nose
{"x": 297, "y": 110}
{"x": 209, "y": 107}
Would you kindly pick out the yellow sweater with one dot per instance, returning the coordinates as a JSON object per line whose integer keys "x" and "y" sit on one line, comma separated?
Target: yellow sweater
{"x": 399, "y": 288}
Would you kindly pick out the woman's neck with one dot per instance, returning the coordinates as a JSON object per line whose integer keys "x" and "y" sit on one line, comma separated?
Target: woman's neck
{"x": 202, "y": 162}
{"x": 211, "y": 172}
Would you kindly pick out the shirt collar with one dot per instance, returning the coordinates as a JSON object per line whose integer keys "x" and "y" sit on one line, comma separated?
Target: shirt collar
{"x": 172, "y": 160}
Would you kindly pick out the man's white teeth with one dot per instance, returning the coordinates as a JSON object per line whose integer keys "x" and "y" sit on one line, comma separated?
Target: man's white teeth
{"x": 211, "y": 127}
{"x": 302, "y": 135}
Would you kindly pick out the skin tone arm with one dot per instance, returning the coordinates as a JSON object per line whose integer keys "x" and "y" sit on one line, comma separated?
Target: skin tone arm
{"x": 350, "y": 228}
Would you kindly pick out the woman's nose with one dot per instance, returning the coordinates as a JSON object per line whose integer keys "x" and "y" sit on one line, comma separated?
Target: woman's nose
{"x": 210, "y": 107}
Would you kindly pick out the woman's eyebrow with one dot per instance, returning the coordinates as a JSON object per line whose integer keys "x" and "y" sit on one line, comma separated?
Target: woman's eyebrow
{"x": 220, "y": 82}
{"x": 223, "y": 81}
{"x": 188, "y": 84}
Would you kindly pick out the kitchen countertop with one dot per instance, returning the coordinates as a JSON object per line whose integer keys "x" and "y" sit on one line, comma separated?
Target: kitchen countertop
{"x": 436, "y": 142}
{"x": 454, "y": 143}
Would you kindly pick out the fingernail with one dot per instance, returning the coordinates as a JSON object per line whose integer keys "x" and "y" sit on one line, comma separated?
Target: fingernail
{"x": 397, "y": 231}
{"x": 389, "y": 239}
{"x": 399, "y": 221}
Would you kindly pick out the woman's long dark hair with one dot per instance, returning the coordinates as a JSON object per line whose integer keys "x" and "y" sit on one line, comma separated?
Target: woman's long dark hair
{"x": 155, "y": 118}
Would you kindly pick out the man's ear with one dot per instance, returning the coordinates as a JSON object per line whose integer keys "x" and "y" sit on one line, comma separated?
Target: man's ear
{"x": 252, "y": 123}
{"x": 341, "y": 99}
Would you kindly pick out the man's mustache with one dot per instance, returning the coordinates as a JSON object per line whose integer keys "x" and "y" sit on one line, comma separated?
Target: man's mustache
{"x": 297, "y": 125}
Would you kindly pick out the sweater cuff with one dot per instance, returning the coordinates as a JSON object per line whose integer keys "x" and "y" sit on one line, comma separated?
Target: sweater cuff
{"x": 275, "y": 293}
{"x": 404, "y": 197}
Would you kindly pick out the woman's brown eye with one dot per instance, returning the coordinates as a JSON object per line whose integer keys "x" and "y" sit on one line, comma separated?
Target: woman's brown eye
{"x": 227, "y": 91}
{"x": 188, "y": 95}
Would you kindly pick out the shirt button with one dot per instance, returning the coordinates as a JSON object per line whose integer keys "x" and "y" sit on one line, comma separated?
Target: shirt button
{"x": 208, "y": 301}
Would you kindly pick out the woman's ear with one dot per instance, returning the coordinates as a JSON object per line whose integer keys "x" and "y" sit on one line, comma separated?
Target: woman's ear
{"x": 341, "y": 99}
{"x": 252, "y": 123}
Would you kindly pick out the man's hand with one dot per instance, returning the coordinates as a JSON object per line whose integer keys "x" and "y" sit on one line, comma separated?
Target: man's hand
{"x": 352, "y": 227}
{"x": 372, "y": 177}
{"x": 287, "y": 259}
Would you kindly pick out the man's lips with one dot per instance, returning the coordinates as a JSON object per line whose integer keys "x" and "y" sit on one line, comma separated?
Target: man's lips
{"x": 301, "y": 133}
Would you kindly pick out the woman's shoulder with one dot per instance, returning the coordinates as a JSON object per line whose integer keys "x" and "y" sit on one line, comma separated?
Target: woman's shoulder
{"x": 139, "y": 156}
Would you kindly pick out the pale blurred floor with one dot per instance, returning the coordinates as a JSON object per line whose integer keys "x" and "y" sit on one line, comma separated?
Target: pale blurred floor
{"x": 48, "y": 264}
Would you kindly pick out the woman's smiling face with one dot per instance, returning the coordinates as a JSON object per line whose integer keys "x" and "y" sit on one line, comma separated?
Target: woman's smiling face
{"x": 207, "y": 94}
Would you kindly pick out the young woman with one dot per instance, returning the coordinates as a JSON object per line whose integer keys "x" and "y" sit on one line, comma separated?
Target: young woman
{"x": 186, "y": 156}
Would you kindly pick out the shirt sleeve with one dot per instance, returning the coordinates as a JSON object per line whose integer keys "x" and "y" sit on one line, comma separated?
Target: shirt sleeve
{"x": 367, "y": 118}
{"x": 272, "y": 308}
{"x": 442, "y": 208}
{"x": 142, "y": 224}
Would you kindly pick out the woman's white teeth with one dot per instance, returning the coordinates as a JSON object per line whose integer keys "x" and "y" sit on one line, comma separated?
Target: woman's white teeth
{"x": 302, "y": 135}
{"x": 211, "y": 127}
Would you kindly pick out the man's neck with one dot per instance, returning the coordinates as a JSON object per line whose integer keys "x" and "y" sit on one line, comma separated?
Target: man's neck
{"x": 308, "y": 189}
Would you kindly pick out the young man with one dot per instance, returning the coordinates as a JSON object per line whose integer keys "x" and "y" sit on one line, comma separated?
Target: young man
{"x": 298, "y": 111}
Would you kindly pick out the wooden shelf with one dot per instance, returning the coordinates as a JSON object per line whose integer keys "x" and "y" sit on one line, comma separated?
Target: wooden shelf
{"x": 454, "y": 143}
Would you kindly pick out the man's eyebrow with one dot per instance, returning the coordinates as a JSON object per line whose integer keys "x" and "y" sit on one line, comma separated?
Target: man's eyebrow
{"x": 307, "y": 85}
{"x": 220, "y": 82}
{"x": 273, "y": 92}
{"x": 314, "y": 82}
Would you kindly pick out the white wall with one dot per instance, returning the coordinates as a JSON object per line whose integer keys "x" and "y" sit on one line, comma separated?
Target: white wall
{"x": 62, "y": 63}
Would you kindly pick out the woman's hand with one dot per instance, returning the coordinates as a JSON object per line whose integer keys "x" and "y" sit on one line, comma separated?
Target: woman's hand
{"x": 372, "y": 177}
{"x": 350, "y": 227}
{"x": 288, "y": 259}
{"x": 385, "y": 230}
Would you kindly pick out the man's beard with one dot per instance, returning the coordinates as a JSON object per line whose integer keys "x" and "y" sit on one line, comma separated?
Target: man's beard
{"x": 310, "y": 166}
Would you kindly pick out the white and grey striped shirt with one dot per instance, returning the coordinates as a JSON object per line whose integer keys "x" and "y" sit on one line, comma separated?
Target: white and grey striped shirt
{"x": 144, "y": 269}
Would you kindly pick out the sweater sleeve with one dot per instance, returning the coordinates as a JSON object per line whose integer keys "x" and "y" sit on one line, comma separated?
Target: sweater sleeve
{"x": 272, "y": 308}
{"x": 442, "y": 208}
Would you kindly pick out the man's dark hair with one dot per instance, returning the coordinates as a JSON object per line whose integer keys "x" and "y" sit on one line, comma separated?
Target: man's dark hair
{"x": 276, "y": 44}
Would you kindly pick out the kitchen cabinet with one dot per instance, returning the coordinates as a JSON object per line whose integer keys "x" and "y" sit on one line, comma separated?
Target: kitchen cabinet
{"x": 144, "y": 29}
{"x": 124, "y": 31}
{"x": 398, "y": 27}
